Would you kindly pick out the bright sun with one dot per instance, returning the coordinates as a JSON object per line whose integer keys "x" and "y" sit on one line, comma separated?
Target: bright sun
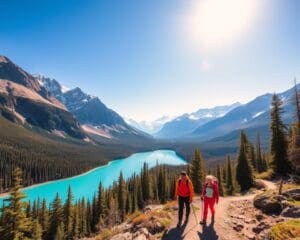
{"x": 216, "y": 23}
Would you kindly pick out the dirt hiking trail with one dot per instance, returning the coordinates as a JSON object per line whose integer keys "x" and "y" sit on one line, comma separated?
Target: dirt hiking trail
{"x": 219, "y": 230}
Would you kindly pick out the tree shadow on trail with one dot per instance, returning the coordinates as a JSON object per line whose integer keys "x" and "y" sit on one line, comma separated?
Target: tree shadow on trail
{"x": 175, "y": 233}
{"x": 208, "y": 233}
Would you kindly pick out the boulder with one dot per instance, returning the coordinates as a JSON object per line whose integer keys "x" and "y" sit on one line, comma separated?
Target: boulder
{"x": 260, "y": 227}
{"x": 292, "y": 194}
{"x": 269, "y": 203}
{"x": 291, "y": 211}
{"x": 259, "y": 184}
{"x": 259, "y": 217}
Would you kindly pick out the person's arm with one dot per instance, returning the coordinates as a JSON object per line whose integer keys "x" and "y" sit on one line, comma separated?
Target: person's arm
{"x": 203, "y": 191}
{"x": 191, "y": 188}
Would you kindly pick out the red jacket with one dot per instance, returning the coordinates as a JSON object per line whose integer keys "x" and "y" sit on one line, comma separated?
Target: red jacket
{"x": 184, "y": 189}
{"x": 215, "y": 189}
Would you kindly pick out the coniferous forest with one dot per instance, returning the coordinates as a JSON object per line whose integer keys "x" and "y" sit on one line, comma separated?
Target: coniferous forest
{"x": 75, "y": 219}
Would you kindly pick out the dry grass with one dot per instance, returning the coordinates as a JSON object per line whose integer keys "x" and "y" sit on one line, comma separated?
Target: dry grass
{"x": 294, "y": 202}
{"x": 170, "y": 205}
{"x": 289, "y": 186}
{"x": 268, "y": 175}
{"x": 105, "y": 234}
{"x": 286, "y": 230}
{"x": 142, "y": 217}
{"x": 155, "y": 221}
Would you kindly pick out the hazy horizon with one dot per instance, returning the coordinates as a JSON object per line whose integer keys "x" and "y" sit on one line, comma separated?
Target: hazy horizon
{"x": 148, "y": 59}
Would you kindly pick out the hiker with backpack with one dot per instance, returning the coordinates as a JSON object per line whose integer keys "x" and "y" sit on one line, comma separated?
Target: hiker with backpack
{"x": 209, "y": 196}
{"x": 184, "y": 192}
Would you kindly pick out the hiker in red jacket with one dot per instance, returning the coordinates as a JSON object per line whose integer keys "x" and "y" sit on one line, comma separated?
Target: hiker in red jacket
{"x": 184, "y": 191}
{"x": 210, "y": 196}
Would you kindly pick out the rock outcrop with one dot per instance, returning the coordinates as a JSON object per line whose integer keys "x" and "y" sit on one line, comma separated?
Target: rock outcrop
{"x": 268, "y": 202}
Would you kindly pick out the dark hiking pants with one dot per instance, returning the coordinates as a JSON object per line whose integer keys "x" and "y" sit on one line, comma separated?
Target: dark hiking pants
{"x": 183, "y": 201}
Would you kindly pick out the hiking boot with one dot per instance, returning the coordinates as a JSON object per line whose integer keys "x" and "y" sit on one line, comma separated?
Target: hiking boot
{"x": 213, "y": 218}
{"x": 203, "y": 222}
{"x": 178, "y": 225}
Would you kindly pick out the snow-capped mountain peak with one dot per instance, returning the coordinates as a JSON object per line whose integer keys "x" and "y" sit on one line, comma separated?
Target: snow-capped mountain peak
{"x": 188, "y": 122}
{"x": 149, "y": 126}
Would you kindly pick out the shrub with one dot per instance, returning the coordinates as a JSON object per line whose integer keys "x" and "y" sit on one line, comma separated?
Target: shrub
{"x": 286, "y": 230}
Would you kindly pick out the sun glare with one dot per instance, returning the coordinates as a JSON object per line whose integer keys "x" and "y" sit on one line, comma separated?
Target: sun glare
{"x": 215, "y": 23}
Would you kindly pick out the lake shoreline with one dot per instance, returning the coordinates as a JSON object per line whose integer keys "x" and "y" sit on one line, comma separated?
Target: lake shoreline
{"x": 6, "y": 194}
{"x": 2, "y": 195}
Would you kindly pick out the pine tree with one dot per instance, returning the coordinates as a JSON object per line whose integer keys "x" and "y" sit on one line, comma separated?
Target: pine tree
{"x": 76, "y": 222}
{"x": 265, "y": 162}
{"x": 146, "y": 183}
{"x": 140, "y": 199}
{"x": 172, "y": 187}
{"x": 44, "y": 217}
{"x": 28, "y": 210}
{"x": 60, "y": 233}
{"x": 297, "y": 102}
{"x": 83, "y": 217}
{"x": 128, "y": 204}
{"x": 197, "y": 171}
{"x": 220, "y": 181}
{"x": 259, "y": 159}
{"x": 56, "y": 218}
{"x": 68, "y": 214}
{"x": 134, "y": 202}
{"x": 89, "y": 214}
{"x": 224, "y": 172}
{"x": 95, "y": 210}
{"x": 37, "y": 230}
{"x": 294, "y": 143}
{"x": 244, "y": 174}
{"x": 17, "y": 224}
{"x": 229, "y": 178}
{"x": 162, "y": 184}
{"x": 278, "y": 149}
{"x": 251, "y": 156}
{"x": 121, "y": 196}
{"x": 100, "y": 208}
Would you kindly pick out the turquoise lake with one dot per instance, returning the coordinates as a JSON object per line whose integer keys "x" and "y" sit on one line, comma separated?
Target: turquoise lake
{"x": 86, "y": 185}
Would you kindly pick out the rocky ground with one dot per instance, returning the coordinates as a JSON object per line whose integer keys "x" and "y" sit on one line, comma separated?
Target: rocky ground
{"x": 249, "y": 222}
{"x": 246, "y": 217}
{"x": 238, "y": 218}
{"x": 253, "y": 218}
{"x": 150, "y": 224}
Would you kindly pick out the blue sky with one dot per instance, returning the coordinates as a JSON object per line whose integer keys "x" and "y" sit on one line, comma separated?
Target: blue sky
{"x": 146, "y": 58}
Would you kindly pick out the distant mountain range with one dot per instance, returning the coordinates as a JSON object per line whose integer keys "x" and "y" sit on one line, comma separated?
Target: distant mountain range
{"x": 222, "y": 124}
{"x": 44, "y": 103}
{"x": 41, "y": 103}
{"x": 252, "y": 115}
{"x": 185, "y": 124}
{"x": 150, "y": 126}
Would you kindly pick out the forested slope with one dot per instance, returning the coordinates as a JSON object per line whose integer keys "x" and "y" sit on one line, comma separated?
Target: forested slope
{"x": 43, "y": 157}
